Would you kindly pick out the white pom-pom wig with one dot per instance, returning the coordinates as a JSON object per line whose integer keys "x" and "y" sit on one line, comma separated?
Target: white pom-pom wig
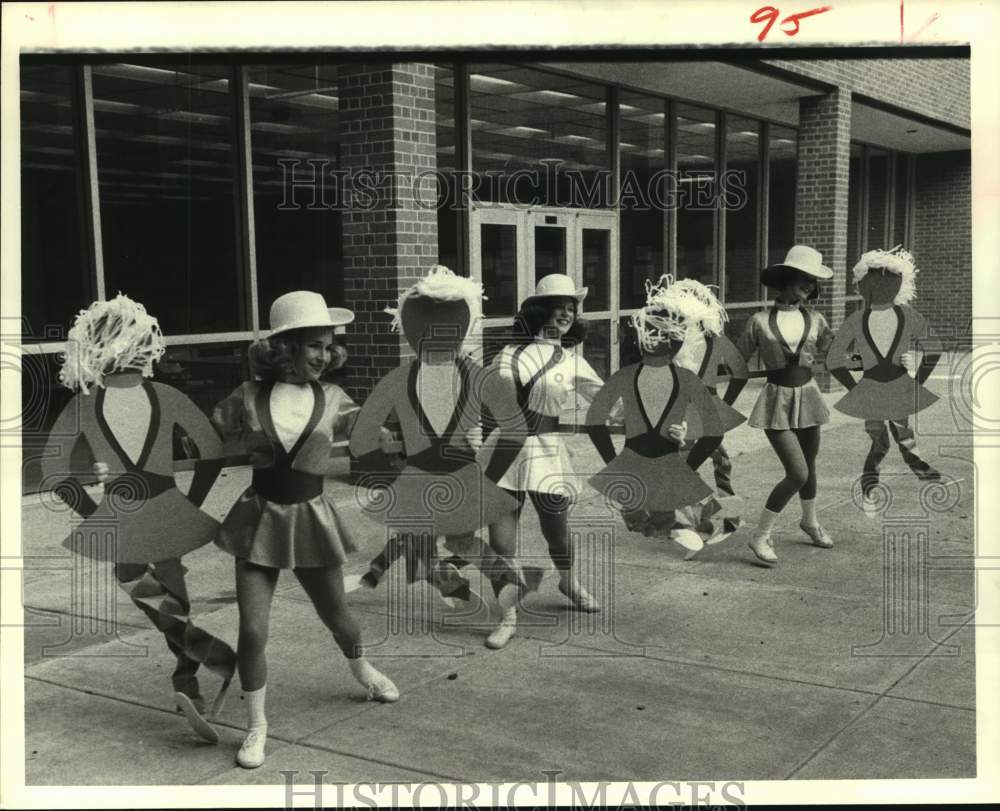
{"x": 669, "y": 313}
{"x": 443, "y": 284}
{"x": 713, "y": 325}
{"x": 897, "y": 260}
{"x": 107, "y": 337}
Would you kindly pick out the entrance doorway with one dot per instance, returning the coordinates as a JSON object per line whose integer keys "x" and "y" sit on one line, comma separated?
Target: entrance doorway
{"x": 512, "y": 249}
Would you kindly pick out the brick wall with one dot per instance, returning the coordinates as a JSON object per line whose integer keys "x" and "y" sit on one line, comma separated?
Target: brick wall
{"x": 386, "y": 126}
{"x": 943, "y": 240}
{"x": 937, "y": 88}
{"x": 824, "y": 152}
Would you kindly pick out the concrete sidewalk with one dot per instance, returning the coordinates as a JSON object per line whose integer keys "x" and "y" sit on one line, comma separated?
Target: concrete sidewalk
{"x": 705, "y": 669}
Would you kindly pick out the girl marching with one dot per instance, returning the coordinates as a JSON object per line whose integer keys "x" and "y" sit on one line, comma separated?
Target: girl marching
{"x": 438, "y": 398}
{"x": 663, "y": 405}
{"x": 545, "y": 370}
{"x": 287, "y": 419}
{"x": 884, "y": 334}
{"x": 789, "y": 338}
{"x": 126, "y": 428}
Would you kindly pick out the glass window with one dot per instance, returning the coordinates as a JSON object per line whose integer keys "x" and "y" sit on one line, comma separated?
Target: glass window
{"x": 538, "y": 138}
{"x": 697, "y": 193}
{"x": 900, "y": 203}
{"x": 550, "y": 250}
{"x": 294, "y": 148}
{"x": 498, "y": 244}
{"x": 855, "y": 203}
{"x": 741, "y": 198}
{"x": 204, "y": 372}
{"x": 445, "y": 117}
{"x": 596, "y": 268}
{"x": 782, "y": 165}
{"x": 55, "y": 273}
{"x": 165, "y": 163}
{"x": 878, "y": 198}
{"x": 641, "y": 219}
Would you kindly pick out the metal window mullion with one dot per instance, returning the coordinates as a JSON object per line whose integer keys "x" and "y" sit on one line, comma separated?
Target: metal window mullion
{"x": 670, "y": 215}
{"x": 87, "y": 139}
{"x": 891, "y": 199}
{"x": 863, "y": 214}
{"x": 764, "y": 203}
{"x": 245, "y": 231}
{"x": 719, "y": 212}
{"x": 463, "y": 161}
{"x": 911, "y": 200}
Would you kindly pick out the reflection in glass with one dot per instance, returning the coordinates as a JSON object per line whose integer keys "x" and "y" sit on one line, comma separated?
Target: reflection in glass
{"x": 293, "y": 124}
{"x": 641, "y": 219}
{"x": 538, "y": 138}
{"x": 447, "y": 162}
{"x": 902, "y": 191}
{"x": 550, "y": 251}
{"x": 855, "y": 201}
{"x": 54, "y": 270}
{"x": 878, "y": 198}
{"x": 597, "y": 348}
{"x": 499, "y": 266}
{"x": 696, "y": 137}
{"x": 165, "y": 163}
{"x": 741, "y": 198}
{"x": 597, "y": 268}
{"x": 782, "y": 163}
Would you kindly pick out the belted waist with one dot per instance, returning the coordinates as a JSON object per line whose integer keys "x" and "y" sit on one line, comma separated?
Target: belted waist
{"x": 885, "y": 372}
{"x": 790, "y": 376}
{"x": 539, "y": 423}
{"x": 282, "y": 485}
{"x": 651, "y": 444}
{"x": 441, "y": 458}
{"x": 138, "y": 485}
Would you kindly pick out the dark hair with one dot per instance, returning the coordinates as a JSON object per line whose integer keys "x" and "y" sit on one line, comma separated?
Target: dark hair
{"x": 273, "y": 359}
{"x": 535, "y": 314}
{"x": 778, "y": 278}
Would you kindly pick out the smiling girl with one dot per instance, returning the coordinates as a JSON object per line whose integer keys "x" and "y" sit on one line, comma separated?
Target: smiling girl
{"x": 287, "y": 419}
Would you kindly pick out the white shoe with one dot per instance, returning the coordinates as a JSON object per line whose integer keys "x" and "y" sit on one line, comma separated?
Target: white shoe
{"x": 820, "y": 537}
{"x": 251, "y": 754}
{"x": 870, "y": 507}
{"x": 582, "y": 599}
{"x": 760, "y": 545}
{"x": 381, "y": 688}
{"x": 197, "y": 721}
{"x": 503, "y": 632}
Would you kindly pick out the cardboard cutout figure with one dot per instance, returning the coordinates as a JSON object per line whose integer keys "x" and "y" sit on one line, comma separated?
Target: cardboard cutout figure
{"x": 438, "y": 399}
{"x": 885, "y": 334}
{"x": 124, "y": 431}
{"x": 663, "y": 405}
{"x": 706, "y": 351}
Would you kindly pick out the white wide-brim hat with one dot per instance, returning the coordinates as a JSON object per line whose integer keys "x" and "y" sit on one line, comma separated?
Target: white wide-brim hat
{"x": 802, "y": 258}
{"x": 557, "y": 285}
{"x": 303, "y": 309}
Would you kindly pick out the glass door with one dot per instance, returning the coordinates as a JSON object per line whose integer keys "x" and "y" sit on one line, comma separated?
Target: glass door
{"x": 513, "y": 249}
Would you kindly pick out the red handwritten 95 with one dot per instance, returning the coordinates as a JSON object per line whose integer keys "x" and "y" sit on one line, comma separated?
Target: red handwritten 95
{"x": 790, "y": 24}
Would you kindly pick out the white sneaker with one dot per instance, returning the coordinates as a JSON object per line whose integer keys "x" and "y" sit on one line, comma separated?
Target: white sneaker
{"x": 195, "y": 718}
{"x": 760, "y": 545}
{"x": 820, "y": 537}
{"x": 381, "y": 688}
{"x": 870, "y": 507}
{"x": 503, "y": 632}
{"x": 251, "y": 754}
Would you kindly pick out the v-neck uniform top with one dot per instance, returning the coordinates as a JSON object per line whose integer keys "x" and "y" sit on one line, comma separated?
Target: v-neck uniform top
{"x": 284, "y": 520}
{"x": 446, "y": 486}
{"x": 152, "y": 519}
{"x": 549, "y": 378}
{"x": 762, "y": 336}
{"x": 649, "y": 473}
{"x": 886, "y": 390}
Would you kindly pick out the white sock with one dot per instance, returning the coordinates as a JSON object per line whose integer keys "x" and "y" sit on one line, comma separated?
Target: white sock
{"x": 809, "y": 512}
{"x": 507, "y": 598}
{"x": 362, "y": 670}
{"x": 767, "y": 521}
{"x": 255, "y": 708}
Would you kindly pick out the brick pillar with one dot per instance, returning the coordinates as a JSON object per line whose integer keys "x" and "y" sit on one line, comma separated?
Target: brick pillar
{"x": 821, "y": 195}
{"x": 386, "y": 133}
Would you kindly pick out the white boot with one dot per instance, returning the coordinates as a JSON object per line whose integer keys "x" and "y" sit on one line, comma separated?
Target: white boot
{"x": 251, "y": 754}
{"x": 379, "y": 686}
